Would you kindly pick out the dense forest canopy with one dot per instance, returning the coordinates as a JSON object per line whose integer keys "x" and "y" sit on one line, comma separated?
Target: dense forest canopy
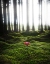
{"x": 24, "y": 15}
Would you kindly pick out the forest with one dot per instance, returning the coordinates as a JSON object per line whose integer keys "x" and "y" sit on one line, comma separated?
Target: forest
{"x": 24, "y": 31}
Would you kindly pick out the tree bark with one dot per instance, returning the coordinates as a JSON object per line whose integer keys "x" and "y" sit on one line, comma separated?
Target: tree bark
{"x": 8, "y": 16}
{"x": 19, "y": 14}
{"x": 33, "y": 29}
{"x": 41, "y": 18}
{"x": 4, "y": 12}
{"x": 40, "y": 26}
{"x": 15, "y": 16}
{"x": 27, "y": 18}
{"x": 1, "y": 21}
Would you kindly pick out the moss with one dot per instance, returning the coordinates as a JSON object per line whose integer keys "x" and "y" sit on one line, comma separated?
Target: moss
{"x": 5, "y": 59}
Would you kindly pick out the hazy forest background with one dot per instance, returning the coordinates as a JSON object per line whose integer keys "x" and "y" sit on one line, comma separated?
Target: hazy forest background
{"x": 24, "y": 21}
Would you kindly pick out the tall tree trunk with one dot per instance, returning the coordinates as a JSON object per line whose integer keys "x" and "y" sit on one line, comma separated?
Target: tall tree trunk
{"x": 46, "y": 26}
{"x": 17, "y": 20}
{"x": 40, "y": 7}
{"x": 15, "y": 14}
{"x": 1, "y": 21}
{"x": 4, "y": 12}
{"x": 41, "y": 18}
{"x": 48, "y": 1}
{"x": 8, "y": 15}
{"x": 39, "y": 27}
{"x": 19, "y": 13}
{"x": 22, "y": 15}
{"x": 27, "y": 18}
{"x": 33, "y": 29}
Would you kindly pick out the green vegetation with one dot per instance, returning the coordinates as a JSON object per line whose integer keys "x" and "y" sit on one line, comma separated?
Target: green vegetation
{"x": 13, "y": 50}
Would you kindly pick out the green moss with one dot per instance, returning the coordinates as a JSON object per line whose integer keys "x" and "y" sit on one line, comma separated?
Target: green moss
{"x": 13, "y": 50}
{"x": 5, "y": 59}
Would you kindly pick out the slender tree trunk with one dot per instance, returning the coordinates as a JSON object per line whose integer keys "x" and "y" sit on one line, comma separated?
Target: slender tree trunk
{"x": 46, "y": 26}
{"x": 33, "y": 29}
{"x": 19, "y": 13}
{"x": 41, "y": 18}
{"x": 15, "y": 14}
{"x": 8, "y": 15}
{"x": 4, "y": 12}
{"x": 16, "y": 18}
{"x": 40, "y": 7}
{"x": 22, "y": 15}
{"x": 1, "y": 21}
{"x": 48, "y": 1}
{"x": 27, "y": 18}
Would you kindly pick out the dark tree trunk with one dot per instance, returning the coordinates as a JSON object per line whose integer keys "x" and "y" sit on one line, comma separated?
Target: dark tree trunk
{"x": 1, "y": 21}
{"x": 41, "y": 18}
{"x": 8, "y": 16}
{"x": 40, "y": 27}
{"x": 15, "y": 14}
{"x": 33, "y": 29}
{"x": 27, "y": 18}
{"x": 4, "y": 12}
{"x": 17, "y": 20}
{"x": 19, "y": 17}
{"x": 22, "y": 15}
{"x": 19, "y": 13}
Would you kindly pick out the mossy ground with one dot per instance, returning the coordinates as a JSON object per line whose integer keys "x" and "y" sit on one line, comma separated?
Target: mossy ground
{"x": 13, "y": 50}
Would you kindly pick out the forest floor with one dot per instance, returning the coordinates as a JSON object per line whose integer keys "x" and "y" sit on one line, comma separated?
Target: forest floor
{"x": 13, "y": 50}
